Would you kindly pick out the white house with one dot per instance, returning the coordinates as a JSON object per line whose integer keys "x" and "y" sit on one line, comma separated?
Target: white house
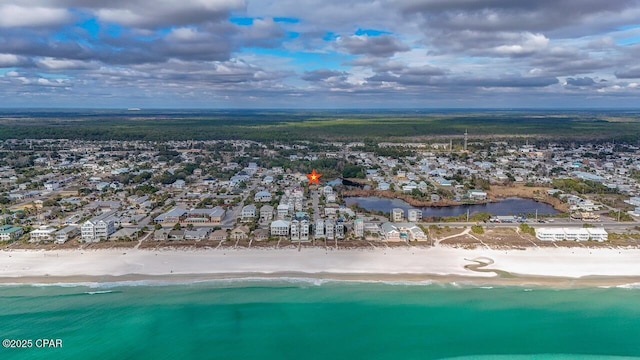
{"x": 397, "y": 215}
{"x": 98, "y": 228}
{"x": 248, "y": 212}
{"x": 266, "y": 213}
{"x": 477, "y": 195}
{"x": 279, "y": 228}
{"x": 51, "y": 185}
{"x": 390, "y": 232}
{"x": 304, "y": 230}
{"x": 319, "y": 233}
{"x": 262, "y": 196}
{"x": 295, "y": 230}
{"x": 66, "y": 233}
{"x": 43, "y": 233}
{"x": 283, "y": 211}
{"x": 572, "y": 234}
{"x": 414, "y": 215}
{"x": 329, "y": 229}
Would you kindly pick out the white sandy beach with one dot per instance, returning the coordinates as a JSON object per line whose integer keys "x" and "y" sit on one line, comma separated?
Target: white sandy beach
{"x": 438, "y": 261}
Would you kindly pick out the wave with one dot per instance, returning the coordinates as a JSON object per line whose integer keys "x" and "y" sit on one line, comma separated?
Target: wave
{"x": 99, "y": 292}
{"x": 629, "y": 286}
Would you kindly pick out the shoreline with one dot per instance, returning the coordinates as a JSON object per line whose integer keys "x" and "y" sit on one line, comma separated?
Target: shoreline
{"x": 552, "y": 267}
{"x": 520, "y": 281}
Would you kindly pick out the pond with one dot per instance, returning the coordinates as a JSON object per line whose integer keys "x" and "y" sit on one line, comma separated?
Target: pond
{"x": 508, "y": 206}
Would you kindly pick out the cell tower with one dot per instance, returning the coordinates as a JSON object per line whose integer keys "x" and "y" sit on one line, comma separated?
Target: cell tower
{"x": 466, "y": 137}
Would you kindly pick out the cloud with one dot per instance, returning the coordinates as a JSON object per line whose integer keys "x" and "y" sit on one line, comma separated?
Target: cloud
{"x": 11, "y": 60}
{"x": 526, "y": 44}
{"x": 632, "y": 72}
{"x": 522, "y": 16}
{"x": 584, "y": 81}
{"x": 378, "y": 46}
{"x": 322, "y": 74}
{"x": 162, "y": 13}
{"x": 481, "y": 52}
{"x": 64, "y": 64}
{"x": 508, "y": 82}
{"x": 262, "y": 33}
{"x": 12, "y": 15}
{"x": 406, "y": 76}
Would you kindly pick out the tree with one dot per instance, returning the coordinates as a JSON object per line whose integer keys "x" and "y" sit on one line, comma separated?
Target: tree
{"x": 177, "y": 226}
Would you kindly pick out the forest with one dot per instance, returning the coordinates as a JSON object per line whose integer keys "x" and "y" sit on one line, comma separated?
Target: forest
{"x": 319, "y": 125}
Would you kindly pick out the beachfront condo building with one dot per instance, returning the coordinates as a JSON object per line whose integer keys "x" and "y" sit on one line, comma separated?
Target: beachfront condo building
{"x": 98, "y": 228}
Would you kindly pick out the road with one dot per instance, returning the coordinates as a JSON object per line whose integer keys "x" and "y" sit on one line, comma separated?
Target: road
{"x": 555, "y": 223}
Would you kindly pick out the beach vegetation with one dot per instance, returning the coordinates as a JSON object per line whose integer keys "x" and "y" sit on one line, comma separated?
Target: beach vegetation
{"x": 620, "y": 215}
{"x": 527, "y": 229}
{"x": 480, "y": 216}
{"x": 477, "y": 229}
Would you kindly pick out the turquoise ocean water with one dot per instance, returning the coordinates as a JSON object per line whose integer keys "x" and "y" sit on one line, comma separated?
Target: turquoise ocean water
{"x": 299, "y": 319}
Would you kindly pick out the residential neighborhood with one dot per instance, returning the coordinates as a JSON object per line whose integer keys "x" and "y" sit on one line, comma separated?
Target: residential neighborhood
{"x": 54, "y": 191}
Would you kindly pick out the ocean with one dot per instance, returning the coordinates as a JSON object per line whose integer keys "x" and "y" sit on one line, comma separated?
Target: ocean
{"x": 317, "y": 319}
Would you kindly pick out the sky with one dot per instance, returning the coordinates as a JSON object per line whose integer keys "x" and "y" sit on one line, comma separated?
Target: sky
{"x": 320, "y": 53}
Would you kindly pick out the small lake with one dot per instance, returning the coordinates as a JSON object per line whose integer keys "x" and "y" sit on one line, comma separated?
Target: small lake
{"x": 508, "y": 206}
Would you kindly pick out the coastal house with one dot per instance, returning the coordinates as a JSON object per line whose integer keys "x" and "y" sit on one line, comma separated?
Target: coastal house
{"x": 161, "y": 235}
{"x": 294, "y": 229}
{"x": 124, "y": 234}
{"x": 329, "y": 229}
{"x": 10, "y": 232}
{"x": 411, "y": 232}
{"x": 176, "y": 235}
{"x": 319, "y": 229}
{"x": 248, "y": 212}
{"x": 261, "y": 234}
{"x": 218, "y": 235}
{"x": 240, "y": 233}
{"x": 213, "y": 216}
{"x": 283, "y": 211}
{"x": 397, "y": 215}
{"x": 390, "y": 232}
{"x": 304, "y": 230}
{"x": 66, "y": 233}
{"x": 414, "y": 215}
{"x": 572, "y": 234}
{"x": 197, "y": 234}
{"x": 98, "y": 228}
{"x": 266, "y": 213}
{"x": 43, "y": 233}
{"x": 279, "y": 228}
{"x": 177, "y": 214}
{"x": 262, "y": 196}
{"x": 476, "y": 195}
{"x": 180, "y": 215}
{"x": 340, "y": 229}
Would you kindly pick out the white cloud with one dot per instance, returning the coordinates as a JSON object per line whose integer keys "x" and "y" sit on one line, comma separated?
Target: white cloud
{"x": 64, "y": 64}
{"x": 523, "y": 44}
{"x": 20, "y": 16}
{"x": 9, "y": 60}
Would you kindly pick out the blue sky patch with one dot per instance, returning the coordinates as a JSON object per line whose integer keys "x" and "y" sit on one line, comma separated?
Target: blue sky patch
{"x": 288, "y": 20}
{"x": 371, "y": 32}
{"x": 242, "y": 21}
